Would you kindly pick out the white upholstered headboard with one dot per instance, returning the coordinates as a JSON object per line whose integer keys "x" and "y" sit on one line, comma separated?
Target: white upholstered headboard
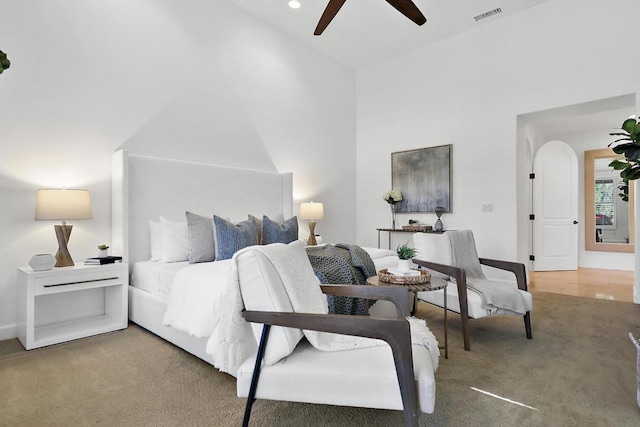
{"x": 145, "y": 188}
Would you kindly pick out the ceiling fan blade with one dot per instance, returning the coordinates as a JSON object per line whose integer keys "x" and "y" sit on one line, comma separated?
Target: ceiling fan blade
{"x": 408, "y": 9}
{"x": 327, "y": 16}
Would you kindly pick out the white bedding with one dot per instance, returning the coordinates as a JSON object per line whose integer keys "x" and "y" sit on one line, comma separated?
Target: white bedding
{"x": 156, "y": 277}
{"x": 194, "y": 293}
{"x": 196, "y": 299}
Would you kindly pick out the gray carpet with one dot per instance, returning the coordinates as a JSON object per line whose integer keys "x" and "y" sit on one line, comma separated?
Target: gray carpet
{"x": 579, "y": 369}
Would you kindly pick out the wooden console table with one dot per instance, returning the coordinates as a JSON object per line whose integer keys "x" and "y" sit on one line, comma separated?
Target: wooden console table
{"x": 400, "y": 230}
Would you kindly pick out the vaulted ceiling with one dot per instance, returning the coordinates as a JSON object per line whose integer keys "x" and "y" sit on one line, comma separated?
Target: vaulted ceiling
{"x": 365, "y": 32}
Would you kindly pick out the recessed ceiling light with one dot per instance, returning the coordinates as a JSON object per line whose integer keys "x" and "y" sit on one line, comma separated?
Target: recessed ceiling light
{"x": 294, "y": 4}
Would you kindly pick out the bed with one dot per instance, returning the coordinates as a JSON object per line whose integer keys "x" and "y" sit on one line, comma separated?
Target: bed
{"x": 147, "y": 188}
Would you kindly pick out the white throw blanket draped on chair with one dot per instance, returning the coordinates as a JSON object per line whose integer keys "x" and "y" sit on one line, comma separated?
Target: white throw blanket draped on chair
{"x": 228, "y": 343}
{"x": 494, "y": 295}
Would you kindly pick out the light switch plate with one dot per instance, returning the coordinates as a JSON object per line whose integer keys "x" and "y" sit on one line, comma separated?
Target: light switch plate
{"x": 487, "y": 207}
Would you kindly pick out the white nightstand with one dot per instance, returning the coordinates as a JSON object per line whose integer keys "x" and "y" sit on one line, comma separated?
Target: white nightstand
{"x": 68, "y": 303}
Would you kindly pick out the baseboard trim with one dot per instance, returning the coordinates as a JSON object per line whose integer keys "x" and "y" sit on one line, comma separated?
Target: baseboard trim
{"x": 8, "y": 332}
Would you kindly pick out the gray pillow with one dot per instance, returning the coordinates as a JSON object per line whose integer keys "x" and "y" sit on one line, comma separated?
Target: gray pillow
{"x": 201, "y": 241}
{"x": 272, "y": 232}
{"x": 230, "y": 238}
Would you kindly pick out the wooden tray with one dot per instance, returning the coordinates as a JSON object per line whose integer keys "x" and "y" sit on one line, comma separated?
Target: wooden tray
{"x": 384, "y": 276}
{"x": 417, "y": 228}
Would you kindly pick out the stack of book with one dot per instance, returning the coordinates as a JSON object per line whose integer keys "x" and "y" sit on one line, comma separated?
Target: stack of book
{"x": 403, "y": 273}
{"x": 103, "y": 260}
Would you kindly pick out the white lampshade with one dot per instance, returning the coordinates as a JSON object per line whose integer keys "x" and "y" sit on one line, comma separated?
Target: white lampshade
{"x": 63, "y": 204}
{"x": 311, "y": 211}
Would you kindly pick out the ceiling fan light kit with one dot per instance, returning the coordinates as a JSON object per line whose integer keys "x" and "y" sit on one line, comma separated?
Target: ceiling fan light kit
{"x": 406, "y": 7}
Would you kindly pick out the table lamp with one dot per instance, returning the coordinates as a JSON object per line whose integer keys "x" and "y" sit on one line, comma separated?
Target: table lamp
{"x": 311, "y": 211}
{"x": 63, "y": 205}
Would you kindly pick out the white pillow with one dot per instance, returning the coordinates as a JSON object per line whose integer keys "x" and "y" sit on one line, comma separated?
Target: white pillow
{"x": 155, "y": 234}
{"x": 175, "y": 241}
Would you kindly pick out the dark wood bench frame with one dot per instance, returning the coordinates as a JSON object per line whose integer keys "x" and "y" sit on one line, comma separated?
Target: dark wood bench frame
{"x": 396, "y": 332}
{"x": 460, "y": 275}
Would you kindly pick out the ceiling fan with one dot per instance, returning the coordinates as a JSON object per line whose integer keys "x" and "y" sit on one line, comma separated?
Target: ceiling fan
{"x": 406, "y": 7}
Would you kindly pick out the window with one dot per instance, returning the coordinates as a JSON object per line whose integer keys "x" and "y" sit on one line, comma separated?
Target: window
{"x": 605, "y": 202}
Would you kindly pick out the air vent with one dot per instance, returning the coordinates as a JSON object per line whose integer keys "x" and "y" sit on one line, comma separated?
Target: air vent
{"x": 487, "y": 14}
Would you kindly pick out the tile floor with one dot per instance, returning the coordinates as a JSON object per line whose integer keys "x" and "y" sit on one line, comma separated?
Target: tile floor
{"x": 585, "y": 282}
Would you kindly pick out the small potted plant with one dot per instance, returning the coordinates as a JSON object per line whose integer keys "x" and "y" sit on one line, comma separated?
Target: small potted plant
{"x": 102, "y": 251}
{"x": 405, "y": 253}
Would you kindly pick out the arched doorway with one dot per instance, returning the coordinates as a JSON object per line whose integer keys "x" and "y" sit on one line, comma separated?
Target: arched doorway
{"x": 555, "y": 208}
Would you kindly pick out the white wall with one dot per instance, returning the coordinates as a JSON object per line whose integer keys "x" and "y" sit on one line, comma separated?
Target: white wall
{"x": 198, "y": 80}
{"x": 468, "y": 91}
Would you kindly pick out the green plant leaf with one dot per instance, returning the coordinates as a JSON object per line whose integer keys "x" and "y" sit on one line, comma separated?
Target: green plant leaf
{"x": 4, "y": 62}
{"x": 622, "y": 139}
{"x": 405, "y": 252}
{"x": 636, "y": 132}
{"x": 631, "y": 173}
{"x": 632, "y": 152}
{"x": 629, "y": 125}
{"x": 618, "y": 165}
{"x": 620, "y": 149}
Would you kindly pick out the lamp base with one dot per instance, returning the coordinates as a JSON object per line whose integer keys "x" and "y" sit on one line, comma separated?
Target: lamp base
{"x": 63, "y": 257}
{"x": 311, "y": 241}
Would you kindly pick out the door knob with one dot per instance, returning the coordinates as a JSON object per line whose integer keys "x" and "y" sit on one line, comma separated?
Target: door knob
{"x": 575, "y": 222}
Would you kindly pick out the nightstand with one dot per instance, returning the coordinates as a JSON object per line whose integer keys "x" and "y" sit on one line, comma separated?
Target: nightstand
{"x": 68, "y": 303}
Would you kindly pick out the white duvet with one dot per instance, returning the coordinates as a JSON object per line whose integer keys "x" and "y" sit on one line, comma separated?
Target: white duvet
{"x": 195, "y": 301}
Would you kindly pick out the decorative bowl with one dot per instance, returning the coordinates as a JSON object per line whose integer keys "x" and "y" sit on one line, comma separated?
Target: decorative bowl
{"x": 42, "y": 262}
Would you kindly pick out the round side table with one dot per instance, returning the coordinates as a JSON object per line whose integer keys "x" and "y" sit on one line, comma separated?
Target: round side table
{"x": 434, "y": 284}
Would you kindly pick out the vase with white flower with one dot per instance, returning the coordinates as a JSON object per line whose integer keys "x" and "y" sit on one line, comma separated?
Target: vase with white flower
{"x": 393, "y": 197}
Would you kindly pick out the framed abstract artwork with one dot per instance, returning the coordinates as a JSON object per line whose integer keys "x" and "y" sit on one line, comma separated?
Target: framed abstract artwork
{"x": 424, "y": 178}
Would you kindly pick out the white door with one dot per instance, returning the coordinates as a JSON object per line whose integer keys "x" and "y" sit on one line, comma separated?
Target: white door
{"x": 555, "y": 208}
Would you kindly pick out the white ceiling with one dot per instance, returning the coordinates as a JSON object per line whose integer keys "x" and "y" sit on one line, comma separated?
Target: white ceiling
{"x": 610, "y": 120}
{"x": 603, "y": 114}
{"x": 365, "y": 32}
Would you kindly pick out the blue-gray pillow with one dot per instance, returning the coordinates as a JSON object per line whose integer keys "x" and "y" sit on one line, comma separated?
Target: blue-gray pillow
{"x": 273, "y": 232}
{"x": 201, "y": 241}
{"x": 257, "y": 222}
{"x": 230, "y": 238}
